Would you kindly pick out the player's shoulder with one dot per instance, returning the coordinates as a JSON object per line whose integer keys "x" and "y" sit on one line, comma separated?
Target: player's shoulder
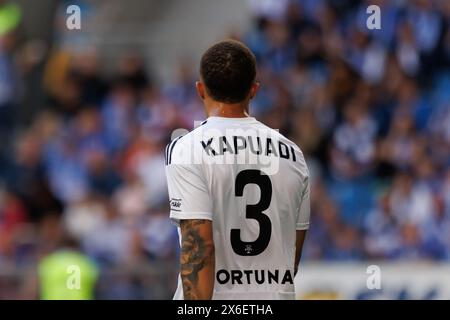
{"x": 180, "y": 150}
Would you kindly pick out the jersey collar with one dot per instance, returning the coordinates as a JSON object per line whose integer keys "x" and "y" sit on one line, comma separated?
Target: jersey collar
{"x": 242, "y": 119}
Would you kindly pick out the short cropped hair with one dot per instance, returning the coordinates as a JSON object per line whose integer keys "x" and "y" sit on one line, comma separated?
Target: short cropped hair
{"x": 228, "y": 70}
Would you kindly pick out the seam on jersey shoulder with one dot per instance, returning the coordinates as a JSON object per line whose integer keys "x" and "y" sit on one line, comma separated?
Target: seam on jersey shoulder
{"x": 169, "y": 150}
{"x": 171, "y": 145}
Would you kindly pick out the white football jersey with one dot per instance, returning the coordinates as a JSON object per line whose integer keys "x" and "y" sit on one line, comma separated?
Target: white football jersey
{"x": 252, "y": 182}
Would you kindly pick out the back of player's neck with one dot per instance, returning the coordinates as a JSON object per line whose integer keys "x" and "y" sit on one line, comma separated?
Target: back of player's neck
{"x": 229, "y": 111}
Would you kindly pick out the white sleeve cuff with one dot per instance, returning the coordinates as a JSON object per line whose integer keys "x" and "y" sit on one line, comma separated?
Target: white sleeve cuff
{"x": 176, "y": 216}
{"x": 302, "y": 226}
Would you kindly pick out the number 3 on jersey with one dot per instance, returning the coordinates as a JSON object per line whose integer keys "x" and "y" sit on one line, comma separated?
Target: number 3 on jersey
{"x": 253, "y": 211}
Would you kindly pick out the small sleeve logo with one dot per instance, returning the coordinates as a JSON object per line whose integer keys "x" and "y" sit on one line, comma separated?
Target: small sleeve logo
{"x": 175, "y": 204}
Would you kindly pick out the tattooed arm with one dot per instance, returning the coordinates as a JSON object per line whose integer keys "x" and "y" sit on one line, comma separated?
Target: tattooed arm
{"x": 197, "y": 259}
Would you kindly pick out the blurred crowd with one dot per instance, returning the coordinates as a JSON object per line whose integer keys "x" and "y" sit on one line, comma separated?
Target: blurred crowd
{"x": 82, "y": 150}
{"x": 371, "y": 111}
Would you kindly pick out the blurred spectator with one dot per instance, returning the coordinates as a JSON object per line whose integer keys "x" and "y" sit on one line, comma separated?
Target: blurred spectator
{"x": 381, "y": 230}
{"x": 10, "y": 18}
{"x": 158, "y": 236}
{"x": 113, "y": 242}
{"x": 67, "y": 260}
{"x": 410, "y": 201}
{"x": 84, "y": 217}
{"x": 354, "y": 142}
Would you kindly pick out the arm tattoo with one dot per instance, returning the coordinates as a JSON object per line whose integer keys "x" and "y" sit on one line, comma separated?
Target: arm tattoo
{"x": 194, "y": 256}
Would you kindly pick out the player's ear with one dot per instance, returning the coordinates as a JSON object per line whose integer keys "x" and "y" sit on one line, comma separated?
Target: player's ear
{"x": 200, "y": 89}
{"x": 254, "y": 89}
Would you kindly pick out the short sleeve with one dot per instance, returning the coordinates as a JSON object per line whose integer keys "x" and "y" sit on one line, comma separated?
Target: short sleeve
{"x": 188, "y": 193}
{"x": 304, "y": 209}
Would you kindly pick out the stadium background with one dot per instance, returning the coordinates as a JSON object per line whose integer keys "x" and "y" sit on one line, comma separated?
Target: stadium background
{"x": 85, "y": 115}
